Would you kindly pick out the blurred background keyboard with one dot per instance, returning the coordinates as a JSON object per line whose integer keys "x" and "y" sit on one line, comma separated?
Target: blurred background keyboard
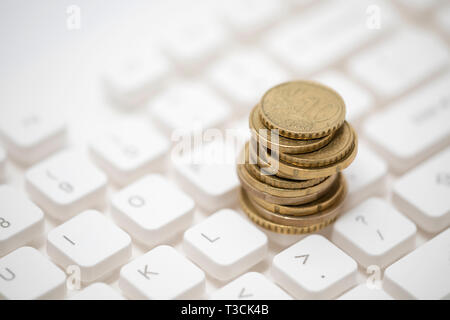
{"x": 91, "y": 93}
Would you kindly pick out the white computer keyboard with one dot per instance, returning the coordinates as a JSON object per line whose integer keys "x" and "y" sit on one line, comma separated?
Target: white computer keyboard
{"x": 94, "y": 203}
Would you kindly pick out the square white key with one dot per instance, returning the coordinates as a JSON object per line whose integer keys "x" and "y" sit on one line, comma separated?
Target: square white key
{"x": 91, "y": 242}
{"x": 366, "y": 176}
{"x": 195, "y": 38}
{"x": 374, "y": 233}
{"x": 314, "y": 268}
{"x": 364, "y": 292}
{"x": 208, "y": 174}
{"x": 98, "y": 291}
{"x": 132, "y": 72}
{"x": 31, "y": 135}
{"x": 152, "y": 209}
{"x": 422, "y": 274}
{"x": 2, "y": 163}
{"x": 358, "y": 101}
{"x": 387, "y": 67}
{"x": 243, "y": 76}
{"x": 162, "y": 273}
{"x": 414, "y": 128}
{"x": 423, "y": 194}
{"x": 21, "y": 221}
{"x": 129, "y": 150}
{"x": 225, "y": 244}
{"x": 25, "y": 274}
{"x": 66, "y": 184}
{"x": 247, "y": 17}
{"x": 326, "y": 33}
{"x": 188, "y": 106}
{"x": 250, "y": 286}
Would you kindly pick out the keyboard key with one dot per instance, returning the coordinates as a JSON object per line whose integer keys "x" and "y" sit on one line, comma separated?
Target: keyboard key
{"x": 414, "y": 128}
{"x": 30, "y": 136}
{"x": 20, "y": 220}
{"x": 91, "y": 242}
{"x": 129, "y": 151}
{"x": 423, "y": 194}
{"x": 442, "y": 18}
{"x": 366, "y": 176}
{"x": 98, "y": 291}
{"x": 131, "y": 75}
{"x": 422, "y": 274}
{"x": 66, "y": 184}
{"x": 247, "y": 17}
{"x": 162, "y": 273}
{"x": 187, "y": 107}
{"x": 225, "y": 245}
{"x": 25, "y": 274}
{"x": 387, "y": 67}
{"x": 2, "y": 163}
{"x": 152, "y": 209}
{"x": 358, "y": 101}
{"x": 325, "y": 33}
{"x": 250, "y": 286}
{"x": 243, "y": 76}
{"x": 314, "y": 268}
{"x": 208, "y": 174}
{"x": 374, "y": 233}
{"x": 195, "y": 38}
{"x": 364, "y": 292}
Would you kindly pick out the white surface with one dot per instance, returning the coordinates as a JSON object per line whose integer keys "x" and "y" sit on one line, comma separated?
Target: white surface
{"x": 374, "y": 233}
{"x": 2, "y": 163}
{"x": 225, "y": 245}
{"x": 129, "y": 150}
{"x": 422, "y": 274}
{"x": 66, "y": 184}
{"x": 314, "y": 268}
{"x": 30, "y": 134}
{"x": 152, "y": 209}
{"x": 387, "y": 68}
{"x": 91, "y": 242}
{"x": 20, "y": 220}
{"x": 27, "y": 275}
{"x": 162, "y": 273}
{"x": 363, "y": 292}
{"x": 98, "y": 291}
{"x": 442, "y": 18}
{"x": 423, "y": 194}
{"x": 250, "y": 286}
{"x": 415, "y": 127}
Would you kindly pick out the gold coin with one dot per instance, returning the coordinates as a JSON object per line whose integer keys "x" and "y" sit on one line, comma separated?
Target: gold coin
{"x": 278, "y": 182}
{"x": 302, "y": 210}
{"x": 284, "y": 145}
{"x": 279, "y": 195}
{"x": 290, "y": 171}
{"x": 334, "y": 151}
{"x": 304, "y": 221}
{"x": 302, "y": 109}
{"x": 250, "y": 211}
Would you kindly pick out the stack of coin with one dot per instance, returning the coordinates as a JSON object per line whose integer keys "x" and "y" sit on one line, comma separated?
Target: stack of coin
{"x": 290, "y": 171}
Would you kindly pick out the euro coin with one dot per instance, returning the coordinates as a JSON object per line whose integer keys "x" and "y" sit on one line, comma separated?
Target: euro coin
{"x": 302, "y": 110}
{"x": 283, "y": 145}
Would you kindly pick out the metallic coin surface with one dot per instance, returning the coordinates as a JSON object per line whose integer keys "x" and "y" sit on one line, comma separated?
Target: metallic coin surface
{"x": 250, "y": 211}
{"x": 337, "y": 149}
{"x": 290, "y": 171}
{"x": 302, "y": 109}
{"x": 304, "y": 221}
{"x": 318, "y": 205}
{"x": 283, "y": 145}
{"x": 279, "y": 195}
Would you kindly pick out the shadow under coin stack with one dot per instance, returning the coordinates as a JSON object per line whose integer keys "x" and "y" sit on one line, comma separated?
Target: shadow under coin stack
{"x": 291, "y": 178}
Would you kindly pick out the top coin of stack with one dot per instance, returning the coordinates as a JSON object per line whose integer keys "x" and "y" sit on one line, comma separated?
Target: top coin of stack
{"x": 290, "y": 169}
